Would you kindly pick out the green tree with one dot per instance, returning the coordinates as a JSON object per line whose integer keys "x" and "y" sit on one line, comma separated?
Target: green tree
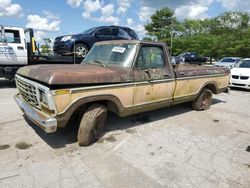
{"x": 147, "y": 38}
{"x": 45, "y": 47}
{"x": 225, "y": 35}
{"x": 162, "y": 23}
{"x": 233, "y": 29}
{"x": 232, "y": 21}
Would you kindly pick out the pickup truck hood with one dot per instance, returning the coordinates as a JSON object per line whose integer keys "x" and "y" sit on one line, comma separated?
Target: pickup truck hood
{"x": 76, "y": 74}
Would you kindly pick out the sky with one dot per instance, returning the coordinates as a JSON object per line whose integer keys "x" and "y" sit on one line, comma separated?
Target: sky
{"x": 51, "y": 18}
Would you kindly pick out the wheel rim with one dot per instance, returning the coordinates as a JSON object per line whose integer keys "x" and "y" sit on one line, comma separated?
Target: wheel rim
{"x": 206, "y": 99}
{"x": 81, "y": 51}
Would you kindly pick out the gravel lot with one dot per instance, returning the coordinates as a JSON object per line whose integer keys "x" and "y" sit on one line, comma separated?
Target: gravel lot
{"x": 172, "y": 147}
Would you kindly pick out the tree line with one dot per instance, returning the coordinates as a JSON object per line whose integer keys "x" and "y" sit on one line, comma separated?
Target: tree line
{"x": 225, "y": 35}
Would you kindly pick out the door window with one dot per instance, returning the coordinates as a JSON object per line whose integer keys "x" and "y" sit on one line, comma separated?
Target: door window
{"x": 123, "y": 34}
{"x": 103, "y": 31}
{"x": 114, "y": 32}
{"x": 12, "y": 36}
{"x": 131, "y": 33}
{"x": 150, "y": 58}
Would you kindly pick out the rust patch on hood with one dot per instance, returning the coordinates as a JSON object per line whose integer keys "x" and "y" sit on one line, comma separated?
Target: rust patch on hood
{"x": 76, "y": 74}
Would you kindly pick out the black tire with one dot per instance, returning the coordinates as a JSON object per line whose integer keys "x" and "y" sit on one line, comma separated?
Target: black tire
{"x": 91, "y": 125}
{"x": 203, "y": 101}
{"x": 80, "y": 50}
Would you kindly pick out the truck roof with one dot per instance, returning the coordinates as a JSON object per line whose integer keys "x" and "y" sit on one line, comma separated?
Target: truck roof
{"x": 130, "y": 42}
{"x": 13, "y": 27}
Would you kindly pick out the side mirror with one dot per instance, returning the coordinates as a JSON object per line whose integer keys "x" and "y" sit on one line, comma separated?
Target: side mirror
{"x": 232, "y": 66}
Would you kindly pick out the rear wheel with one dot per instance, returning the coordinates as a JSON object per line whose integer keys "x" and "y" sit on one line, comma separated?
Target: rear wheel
{"x": 203, "y": 101}
{"x": 80, "y": 50}
{"x": 91, "y": 125}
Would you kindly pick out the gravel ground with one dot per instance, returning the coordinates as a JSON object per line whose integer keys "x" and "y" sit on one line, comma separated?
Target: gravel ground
{"x": 172, "y": 147}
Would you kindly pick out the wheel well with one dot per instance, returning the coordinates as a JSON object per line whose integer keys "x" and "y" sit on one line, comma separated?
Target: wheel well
{"x": 111, "y": 106}
{"x": 212, "y": 88}
{"x": 77, "y": 114}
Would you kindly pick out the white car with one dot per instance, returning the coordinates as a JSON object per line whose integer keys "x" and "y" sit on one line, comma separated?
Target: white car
{"x": 227, "y": 62}
{"x": 240, "y": 74}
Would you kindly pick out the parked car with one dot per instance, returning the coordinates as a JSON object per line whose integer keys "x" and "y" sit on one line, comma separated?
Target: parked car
{"x": 227, "y": 62}
{"x": 173, "y": 61}
{"x": 210, "y": 60}
{"x": 240, "y": 74}
{"x": 80, "y": 44}
{"x": 191, "y": 58}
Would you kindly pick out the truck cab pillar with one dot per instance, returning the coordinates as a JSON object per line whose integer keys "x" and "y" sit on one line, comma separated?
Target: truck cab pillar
{"x": 2, "y": 37}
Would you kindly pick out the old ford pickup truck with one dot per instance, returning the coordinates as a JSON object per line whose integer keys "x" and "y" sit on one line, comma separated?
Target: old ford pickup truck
{"x": 124, "y": 77}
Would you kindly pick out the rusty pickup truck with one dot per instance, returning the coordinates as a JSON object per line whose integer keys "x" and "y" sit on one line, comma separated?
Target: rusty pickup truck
{"x": 124, "y": 77}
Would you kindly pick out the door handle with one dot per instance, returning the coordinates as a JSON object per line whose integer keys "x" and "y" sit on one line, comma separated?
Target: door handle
{"x": 20, "y": 48}
{"x": 182, "y": 73}
{"x": 166, "y": 75}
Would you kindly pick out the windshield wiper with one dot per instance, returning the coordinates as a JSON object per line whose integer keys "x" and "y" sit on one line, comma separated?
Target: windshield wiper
{"x": 94, "y": 62}
{"x": 99, "y": 62}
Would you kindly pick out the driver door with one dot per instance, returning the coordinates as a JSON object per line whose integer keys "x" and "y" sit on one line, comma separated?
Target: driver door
{"x": 13, "y": 50}
{"x": 154, "y": 80}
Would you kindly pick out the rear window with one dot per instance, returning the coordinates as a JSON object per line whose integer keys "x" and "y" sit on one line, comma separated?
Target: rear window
{"x": 244, "y": 64}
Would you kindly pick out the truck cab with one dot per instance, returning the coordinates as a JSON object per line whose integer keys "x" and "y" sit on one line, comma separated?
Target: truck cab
{"x": 13, "y": 49}
{"x": 18, "y": 48}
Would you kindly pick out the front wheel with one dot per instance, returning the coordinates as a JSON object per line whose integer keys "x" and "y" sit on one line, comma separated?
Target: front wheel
{"x": 203, "y": 101}
{"x": 80, "y": 50}
{"x": 91, "y": 125}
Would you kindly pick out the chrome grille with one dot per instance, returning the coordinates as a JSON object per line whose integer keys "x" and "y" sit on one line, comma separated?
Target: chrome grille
{"x": 244, "y": 77}
{"x": 240, "y": 77}
{"x": 235, "y": 76}
{"x": 28, "y": 92}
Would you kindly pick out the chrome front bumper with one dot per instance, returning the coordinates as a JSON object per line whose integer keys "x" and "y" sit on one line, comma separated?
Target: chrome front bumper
{"x": 46, "y": 122}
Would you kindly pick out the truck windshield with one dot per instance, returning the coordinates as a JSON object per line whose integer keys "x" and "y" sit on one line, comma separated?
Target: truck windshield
{"x": 121, "y": 55}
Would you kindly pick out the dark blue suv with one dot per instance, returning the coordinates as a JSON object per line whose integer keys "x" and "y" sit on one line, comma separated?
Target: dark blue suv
{"x": 80, "y": 44}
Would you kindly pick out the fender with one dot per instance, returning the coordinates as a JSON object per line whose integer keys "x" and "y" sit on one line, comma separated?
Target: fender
{"x": 113, "y": 104}
{"x": 212, "y": 85}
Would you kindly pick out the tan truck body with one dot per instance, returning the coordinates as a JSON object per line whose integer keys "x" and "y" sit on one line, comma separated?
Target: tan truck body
{"x": 124, "y": 91}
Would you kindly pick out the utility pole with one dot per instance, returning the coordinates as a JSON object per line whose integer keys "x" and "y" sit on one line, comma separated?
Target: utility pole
{"x": 172, "y": 34}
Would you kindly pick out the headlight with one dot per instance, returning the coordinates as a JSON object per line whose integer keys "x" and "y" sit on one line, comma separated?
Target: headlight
{"x": 46, "y": 102}
{"x": 43, "y": 98}
{"x": 66, "y": 38}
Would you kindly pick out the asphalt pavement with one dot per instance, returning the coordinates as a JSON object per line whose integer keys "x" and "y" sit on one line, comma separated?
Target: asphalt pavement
{"x": 171, "y": 147}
